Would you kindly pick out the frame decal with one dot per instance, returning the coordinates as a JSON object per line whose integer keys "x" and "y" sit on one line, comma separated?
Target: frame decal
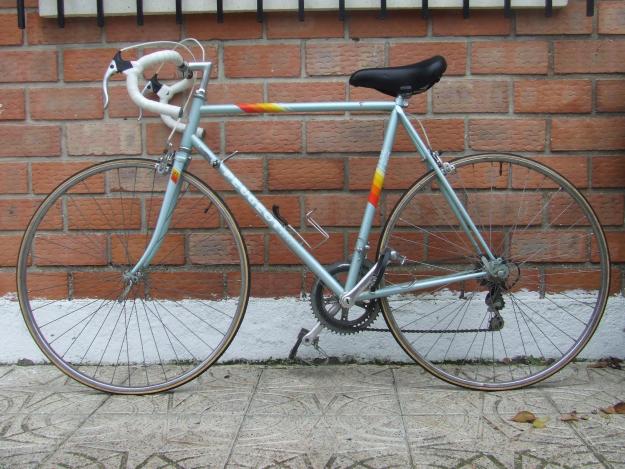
{"x": 260, "y": 107}
{"x": 175, "y": 175}
{"x": 376, "y": 187}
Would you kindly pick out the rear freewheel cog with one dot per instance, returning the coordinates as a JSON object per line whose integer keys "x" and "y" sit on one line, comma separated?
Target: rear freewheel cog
{"x": 326, "y": 307}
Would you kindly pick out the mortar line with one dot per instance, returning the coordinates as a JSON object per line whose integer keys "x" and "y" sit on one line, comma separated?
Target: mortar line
{"x": 403, "y": 420}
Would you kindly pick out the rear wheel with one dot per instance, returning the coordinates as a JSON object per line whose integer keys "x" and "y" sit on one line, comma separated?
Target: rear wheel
{"x": 497, "y": 333}
{"x": 174, "y": 319}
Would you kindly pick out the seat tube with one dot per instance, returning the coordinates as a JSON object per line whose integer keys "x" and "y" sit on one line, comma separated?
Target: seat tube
{"x": 360, "y": 250}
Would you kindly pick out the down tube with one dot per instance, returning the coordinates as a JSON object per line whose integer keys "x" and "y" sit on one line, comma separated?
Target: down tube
{"x": 268, "y": 217}
{"x": 463, "y": 217}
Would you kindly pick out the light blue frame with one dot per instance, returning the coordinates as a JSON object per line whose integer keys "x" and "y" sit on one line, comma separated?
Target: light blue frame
{"x": 397, "y": 115}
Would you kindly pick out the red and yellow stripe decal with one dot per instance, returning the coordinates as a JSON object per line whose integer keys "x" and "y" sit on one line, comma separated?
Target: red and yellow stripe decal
{"x": 260, "y": 107}
{"x": 376, "y": 187}
{"x": 175, "y": 175}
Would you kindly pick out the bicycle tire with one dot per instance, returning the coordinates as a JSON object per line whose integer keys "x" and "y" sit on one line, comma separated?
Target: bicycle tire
{"x": 155, "y": 334}
{"x": 558, "y": 279}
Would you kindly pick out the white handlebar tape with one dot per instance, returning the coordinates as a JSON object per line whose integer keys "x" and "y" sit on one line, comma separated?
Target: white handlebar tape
{"x": 165, "y": 94}
{"x": 132, "y": 82}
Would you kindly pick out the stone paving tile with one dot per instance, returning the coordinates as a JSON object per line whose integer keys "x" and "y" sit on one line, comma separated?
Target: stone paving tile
{"x": 229, "y": 401}
{"x": 321, "y": 441}
{"x": 449, "y": 401}
{"x": 327, "y": 376}
{"x": 24, "y": 401}
{"x": 237, "y": 377}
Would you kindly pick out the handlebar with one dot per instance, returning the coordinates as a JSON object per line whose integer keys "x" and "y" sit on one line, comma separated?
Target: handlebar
{"x": 165, "y": 93}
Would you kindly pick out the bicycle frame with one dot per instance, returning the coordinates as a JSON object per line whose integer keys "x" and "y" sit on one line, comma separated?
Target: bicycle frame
{"x": 397, "y": 115}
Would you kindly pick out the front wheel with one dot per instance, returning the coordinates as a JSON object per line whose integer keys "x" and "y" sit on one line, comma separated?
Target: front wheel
{"x": 131, "y": 334}
{"x": 497, "y": 333}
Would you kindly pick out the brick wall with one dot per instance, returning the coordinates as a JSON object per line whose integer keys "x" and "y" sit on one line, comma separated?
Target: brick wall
{"x": 544, "y": 87}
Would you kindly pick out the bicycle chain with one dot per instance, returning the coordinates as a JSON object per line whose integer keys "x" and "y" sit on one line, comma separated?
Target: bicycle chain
{"x": 431, "y": 331}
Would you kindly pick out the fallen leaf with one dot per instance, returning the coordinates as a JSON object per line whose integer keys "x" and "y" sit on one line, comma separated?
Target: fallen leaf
{"x": 608, "y": 410}
{"x": 540, "y": 423}
{"x": 610, "y": 362}
{"x": 619, "y": 407}
{"x": 570, "y": 417}
{"x": 524, "y": 416}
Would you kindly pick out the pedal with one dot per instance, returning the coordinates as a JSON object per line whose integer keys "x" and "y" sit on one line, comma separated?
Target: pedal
{"x": 381, "y": 265}
{"x": 298, "y": 342}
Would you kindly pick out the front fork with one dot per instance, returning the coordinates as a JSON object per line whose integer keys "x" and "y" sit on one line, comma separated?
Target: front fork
{"x": 180, "y": 163}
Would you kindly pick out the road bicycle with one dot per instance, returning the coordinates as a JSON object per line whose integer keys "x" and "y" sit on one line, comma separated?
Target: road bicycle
{"x": 491, "y": 271}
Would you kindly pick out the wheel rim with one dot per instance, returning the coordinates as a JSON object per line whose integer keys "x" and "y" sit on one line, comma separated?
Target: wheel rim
{"x": 555, "y": 294}
{"x": 163, "y": 329}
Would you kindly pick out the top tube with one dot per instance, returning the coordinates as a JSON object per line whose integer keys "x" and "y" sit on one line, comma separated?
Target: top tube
{"x": 272, "y": 108}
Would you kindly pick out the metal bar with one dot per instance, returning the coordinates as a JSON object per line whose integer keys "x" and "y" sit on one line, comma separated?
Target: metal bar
{"x": 178, "y": 11}
{"x": 590, "y": 8}
{"x": 341, "y": 10}
{"x": 465, "y": 9}
{"x": 100, "y": 13}
{"x": 507, "y": 8}
{"x": 21, "y": 14}
{"x": 140, "y": 12}
{"x": 420, "y": 285}
{"x": 383, "y": 12}
{"x": 60, "y": 13}
{"x": 300, "y": 10}
{"x": 272, "y": 108}
{"x": 259, "y": 11}
{"x": 425, "y": 9}
{"x": 548, "y": 8}
{"x": 220, "y": 11}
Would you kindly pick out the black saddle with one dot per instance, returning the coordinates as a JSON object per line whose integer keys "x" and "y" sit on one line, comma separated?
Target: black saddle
{"x": 404, "y": 80}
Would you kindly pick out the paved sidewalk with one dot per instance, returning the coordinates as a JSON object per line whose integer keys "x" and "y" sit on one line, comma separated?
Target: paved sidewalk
{"x": 329, "y": 416}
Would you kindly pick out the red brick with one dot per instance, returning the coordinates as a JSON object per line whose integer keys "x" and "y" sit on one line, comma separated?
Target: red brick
{"x": 17, "y": 182}
{"x": 102, "y": 285}
{"x": 329, "y": 252}
{"x": 589, "y": 56}
{"x": 616, "y": 245}
{"x": 561, "y": 246}
{"x": 480, "y": 23}
{"x": 12, "y": 105}
{"x": 15, "y": 214}
{"x": 220, "y": 249}
{"x": 184, "y": 285}
{"x": 608, "y": 171}
{"x": 285, "y": 25}
{"x": 301, "y": 174}
{"x": 157, "y": 134}
{"x": 65, "y": 103}
{"x": 46, "y": 176}
{"x": 561, "y": 280}
{"x": 444, "y": 134}
{"x": 227, "y": 93}
{"x": 47, "y": 31}
{"x": 10, "y": 247}
{"x": 27, "y": 66}
{"x": 417, "y": 105}
{"x": 247, "y": 218}
{"x": 191, "y": 212}
{"x": 48, "y": 285}
{"x": 309, "y": 91}
{"x": 128, "y": 248}
{"x": 344, "y": 135}
{"x": 400, "y": 172}
{"x": 427, "y": 210}
{"x": 611, "y": 17}
{"x": 89, "y": 64}
{"x": 569, "y": 20}
{"x": 8, "y": 286}
{"x": 11, "y": 4}
{"x": 102, "y": 213}
{"x": 10, "y": 35}
{"x": 275, "y": 284}
{"x": 552, "y": 96}
{"x": 609, "y": 208}
{"x": 610, "y": 96}
{"x": 338, "y": 209}
{"x": 518, "y": 57}
{"x": 276, "y": 136}
{"x": 396, "y": 24}
{"x": 470, "y": 96}
{"x": 342, "y": 58}
{"x": 593, "y": 133}
{"x": 155, "y": 28}
{"x": 507, "y": 134}
{"x": 104, "y": 138}
{"x": 30, "y": 140}
{"x": 70, "y": 249}
{"x": 573, "y": 168}
{"x": 501, "y": 209}
{"x": 275, "y": 60}
{"x": 454, "y": 247}
{"x": 235, "y": 26}
{"x": 455, "y": 54}
{"x": 248, "y": 170}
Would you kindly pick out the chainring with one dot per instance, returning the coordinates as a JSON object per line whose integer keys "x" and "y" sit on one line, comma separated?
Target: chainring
{"x": 344, "y": 321}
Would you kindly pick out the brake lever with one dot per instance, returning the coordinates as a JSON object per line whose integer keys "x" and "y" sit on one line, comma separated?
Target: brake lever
{"x": 117, "y": 65}
{"x": 152, "y": 85}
